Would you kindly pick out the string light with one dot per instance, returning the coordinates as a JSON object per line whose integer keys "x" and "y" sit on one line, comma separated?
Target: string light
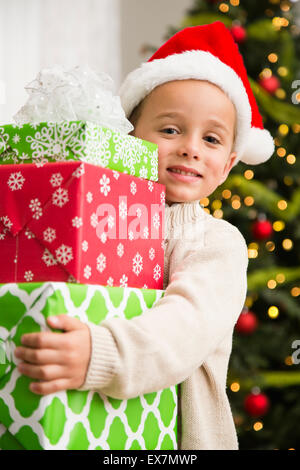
{"x": 249, "y": 201}
{"x": 249, "y": 174}
{"x": 278, "y": 225}
{"x": 270, "y": 246}
{"x": 295, "y": 291}
{"x": 282, "y": 71}
{"x": 265, "y": 73}
{"x": 280, "y": 93}
{"x": 287, "y": 244}
{"x": 223, "y": 8}
{"x": 273, "y": 57}
{"x": 281, "y": 152}
{"x": 271, "y": 284}
{"x": 282, "y": 205}
{"x": 288, "y": 361}
{"x": 280, "y": 278}
{"x": 291, "y": 159}
{"x": 216, "y": 204}
{"x": 235, "y": 3}
{"x": 253, "y": 250}
{"x": 258, "y": 426}
{"x": 283, "y": 129}
{"x": 273, "y": 312}
{"x": 204, "y": 201}
{"x": 235, "y": 387}
{"x": 226, "y": 194}
{"x": 218, "y": 214}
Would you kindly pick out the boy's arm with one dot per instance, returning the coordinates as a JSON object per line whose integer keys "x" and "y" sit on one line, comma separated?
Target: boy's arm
{"x": 166, "y": 344}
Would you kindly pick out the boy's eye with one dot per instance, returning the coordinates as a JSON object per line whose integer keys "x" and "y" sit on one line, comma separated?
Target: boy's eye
{"x": 169, "y": 130}
{"x": 212, "y": 140}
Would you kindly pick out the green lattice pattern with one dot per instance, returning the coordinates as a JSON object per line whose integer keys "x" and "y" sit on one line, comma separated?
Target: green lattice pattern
{"x": 76, "y": 419}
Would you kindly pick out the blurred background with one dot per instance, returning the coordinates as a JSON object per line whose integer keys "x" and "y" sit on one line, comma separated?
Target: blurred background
{"x": 114, "y": 36}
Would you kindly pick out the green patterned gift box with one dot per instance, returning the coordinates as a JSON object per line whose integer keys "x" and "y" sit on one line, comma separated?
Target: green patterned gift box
{"x": 78, "y": 140}
{"x": 73, "y": 419}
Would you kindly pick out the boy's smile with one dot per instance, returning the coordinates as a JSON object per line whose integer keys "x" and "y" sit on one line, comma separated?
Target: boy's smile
{"x": 193, "y": 124}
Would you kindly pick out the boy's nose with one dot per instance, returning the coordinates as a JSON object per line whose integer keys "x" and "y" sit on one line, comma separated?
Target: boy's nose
{"x": 190, "y": 150}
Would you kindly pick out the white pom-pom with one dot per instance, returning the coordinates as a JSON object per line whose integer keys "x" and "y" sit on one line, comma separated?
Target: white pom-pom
{"x": 259, "y": 147}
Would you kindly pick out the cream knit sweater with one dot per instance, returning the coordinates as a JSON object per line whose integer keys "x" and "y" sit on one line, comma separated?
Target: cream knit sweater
{"x": 186, "y": 338}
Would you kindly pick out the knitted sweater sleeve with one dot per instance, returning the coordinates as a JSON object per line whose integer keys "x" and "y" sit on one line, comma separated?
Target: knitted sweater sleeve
{"x": 164, "y": 346}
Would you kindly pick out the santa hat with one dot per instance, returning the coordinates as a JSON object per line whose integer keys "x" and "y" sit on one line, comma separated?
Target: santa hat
{"x": 209, "y": 53}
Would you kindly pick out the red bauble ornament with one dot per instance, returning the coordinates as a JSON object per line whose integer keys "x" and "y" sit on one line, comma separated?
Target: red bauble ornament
{"x": 239, "y": 34}
{"x": 256, "y": 404}
{"x": 262, "y": 229}
{"x": 247, "y": 323}
{"x": 270, "y": 84}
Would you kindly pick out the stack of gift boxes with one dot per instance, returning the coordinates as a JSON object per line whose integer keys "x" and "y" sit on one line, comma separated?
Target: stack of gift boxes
{"x": 81, "y": 233}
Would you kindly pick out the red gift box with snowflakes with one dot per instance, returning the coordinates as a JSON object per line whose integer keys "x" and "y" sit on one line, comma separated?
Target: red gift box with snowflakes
{"x": 73, "y": 221}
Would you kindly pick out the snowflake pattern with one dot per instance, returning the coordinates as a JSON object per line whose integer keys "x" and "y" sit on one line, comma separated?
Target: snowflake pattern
{"x": 28, "y": 276}
{"x": 87, "y": 271}
{"x": 110, "y": 221}
{"x": 152, "y": 254}
{"x": 150, "y": 186}
{"x": 16, "y": 181}
{"x": 49, "y": 234}
{"x": 122, "y": 210}
{"x": 54, "y": 141}
{"x": 85, "y": 246}
{"x": 104, "y": 185}
{"x": 146, "y": 233}
{"x": 162, "y": 197}
{"x": 137, "y": 264}
{"x": 156, "y": 221}
{"x": 60, "y": 197}
{"x": 139, "y": 212}
{"x": 77, "y": 222}
{"x": 56, "y": 180}
{"x": 130, "y": 235}
{"x": 143, "y": 173}
{"x": 101, "y": 262}
{"x": 48, "y": 258}
{"x": 64, "y": 254}
{"x": 110, "y": 282}
{"x": 120, "y": 250}
{"x": 133, "y": 187}
{"x": 94, "y": 220}
{"x": 35, "y": 206}
{"x": 89, "y": 197}
{"x": 79, "y": 171}
{"x": 123, "y": 281}
{"x": 103, "y": 237}
{"x": 16, "y": 138}
{"x": 157, "y": 272}
{"x": 6, "y": 221}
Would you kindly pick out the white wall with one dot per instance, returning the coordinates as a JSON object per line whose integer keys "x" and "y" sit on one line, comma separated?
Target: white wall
{"x": 146, "y": 22}
{"x": 40, "y": 33}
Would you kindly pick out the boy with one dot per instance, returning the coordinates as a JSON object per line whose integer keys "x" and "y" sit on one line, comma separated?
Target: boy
{"x": 194, "y": 100}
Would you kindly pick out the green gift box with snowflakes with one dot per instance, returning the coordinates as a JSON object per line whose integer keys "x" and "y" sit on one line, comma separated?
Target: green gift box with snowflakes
{"x": 78, "y": 140}
{"x": 74, "y": 419}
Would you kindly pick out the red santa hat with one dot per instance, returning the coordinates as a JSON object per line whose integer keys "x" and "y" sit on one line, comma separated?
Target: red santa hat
{"x": 209, "y": 53}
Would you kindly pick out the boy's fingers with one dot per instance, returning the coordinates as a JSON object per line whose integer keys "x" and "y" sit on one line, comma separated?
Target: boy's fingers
{"x": 38, "y": 356}
{"x": 64, "y": 322}
{"x": 44, "y": 340}
{"x": 44, "y": 388}
{"x": 46, "y": 372}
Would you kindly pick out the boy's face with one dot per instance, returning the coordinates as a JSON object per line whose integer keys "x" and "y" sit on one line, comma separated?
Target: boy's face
{"x": 193, "y": 123}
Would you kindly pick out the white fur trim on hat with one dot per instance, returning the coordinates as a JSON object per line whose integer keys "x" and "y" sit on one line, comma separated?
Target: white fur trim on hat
{"x": 201, "y": 65}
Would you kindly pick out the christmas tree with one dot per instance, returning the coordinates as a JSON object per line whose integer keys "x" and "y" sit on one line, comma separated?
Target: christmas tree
{"x": 264, "y": 203}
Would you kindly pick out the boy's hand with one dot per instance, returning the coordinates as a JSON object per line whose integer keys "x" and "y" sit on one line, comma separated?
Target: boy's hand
{"x": 59, "y": 360}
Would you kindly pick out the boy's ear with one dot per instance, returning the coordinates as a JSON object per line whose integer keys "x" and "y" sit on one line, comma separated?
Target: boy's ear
{"x": 229, "y": 164}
